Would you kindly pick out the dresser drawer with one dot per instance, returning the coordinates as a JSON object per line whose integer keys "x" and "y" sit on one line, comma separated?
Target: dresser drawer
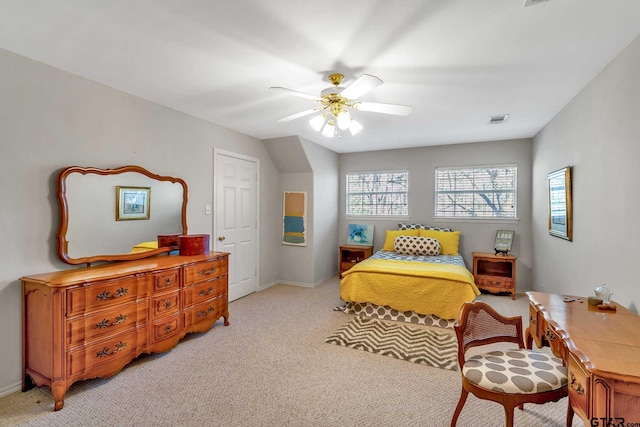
{"x": 166, "y": 280}
{"x": 578, "y": 386}
{"x": 83, "y": 329}
{"x": 108, "y": 355}
{"x": 494, "y": 282}
{"x": 165, "y": 327}
{"x": 203, "y": 291}
{"x": 208, "y": 310}
{"x": 204, "y": 271}
{"x": 101, "y": 295}
{"x": 166, "y": 304}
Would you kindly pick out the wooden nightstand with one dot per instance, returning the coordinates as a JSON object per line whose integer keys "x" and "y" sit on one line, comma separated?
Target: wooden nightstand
{"x": 495, "y": 273}
{"x": 351, "y": 254}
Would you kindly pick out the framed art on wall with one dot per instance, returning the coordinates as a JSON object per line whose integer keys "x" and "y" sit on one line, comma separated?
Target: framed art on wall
{"x": 132, "y": 203}
{"x": 560, "y": 203}
{"x": 360, "y": 234}
{"x": 294, "y": 211}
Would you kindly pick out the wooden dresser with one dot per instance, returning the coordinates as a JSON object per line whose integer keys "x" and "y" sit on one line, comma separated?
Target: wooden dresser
{"x": 601, "y": 350}
{"x": 90, "y": 322}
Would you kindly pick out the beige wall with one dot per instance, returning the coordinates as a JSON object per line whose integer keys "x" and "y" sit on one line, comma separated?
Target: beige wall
{"x": 421, "y": 164}
{"x": 598, "y": 134}
{"x": 51, "y": 119}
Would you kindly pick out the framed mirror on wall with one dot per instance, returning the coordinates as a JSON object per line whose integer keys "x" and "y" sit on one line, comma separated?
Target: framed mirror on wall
{"x": 560, "y": 204}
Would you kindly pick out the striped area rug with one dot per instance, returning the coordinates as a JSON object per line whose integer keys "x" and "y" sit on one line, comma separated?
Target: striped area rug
{"x": 424, "y": 346}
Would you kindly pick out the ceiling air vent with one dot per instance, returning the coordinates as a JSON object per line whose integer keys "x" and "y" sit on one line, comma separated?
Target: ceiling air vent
{"x": 528, "y": 3}
{"x": 496, "y": 120}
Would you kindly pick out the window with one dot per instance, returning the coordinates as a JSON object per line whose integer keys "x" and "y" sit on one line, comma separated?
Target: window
{"x": 377, "y": 193}
{"x": 476, "y": 192}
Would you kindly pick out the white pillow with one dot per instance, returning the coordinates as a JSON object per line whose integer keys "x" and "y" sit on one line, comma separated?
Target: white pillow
{"x": 415, "y": 245}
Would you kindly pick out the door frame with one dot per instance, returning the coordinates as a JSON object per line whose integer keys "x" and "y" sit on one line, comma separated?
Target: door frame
{"x": 216, "y": 153}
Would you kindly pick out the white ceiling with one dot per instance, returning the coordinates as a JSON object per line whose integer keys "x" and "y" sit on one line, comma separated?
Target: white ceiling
{"x": 457, "y": 62}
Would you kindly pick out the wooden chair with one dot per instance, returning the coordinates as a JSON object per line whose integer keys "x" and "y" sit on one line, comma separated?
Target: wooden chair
{"x": 509, "y": 377}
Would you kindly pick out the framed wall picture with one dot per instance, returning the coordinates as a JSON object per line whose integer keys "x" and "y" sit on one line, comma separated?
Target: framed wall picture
{"x": 504, "y": 241}
{"x": 294, "y": 212}
{"x": 360, "y": 234}
{"x": 133, "y": 203}
{"x": 560, "y": 204}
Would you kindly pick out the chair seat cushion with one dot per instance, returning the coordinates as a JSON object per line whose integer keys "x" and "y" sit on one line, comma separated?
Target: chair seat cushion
{"x": 518, "y": 371}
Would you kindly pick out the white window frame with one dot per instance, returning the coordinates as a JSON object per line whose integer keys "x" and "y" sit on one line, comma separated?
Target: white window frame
{"x": 438, "y": 192}
{"x": 375, "y": 216}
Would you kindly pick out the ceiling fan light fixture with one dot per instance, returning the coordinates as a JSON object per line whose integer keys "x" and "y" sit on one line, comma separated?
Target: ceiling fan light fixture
{"x": 355, "y": 127}
{"x": 344, "y": 120}
{"x": 337, "y": 104}
{"x": 317, "y": 122}
{"x": 329, "y": 129}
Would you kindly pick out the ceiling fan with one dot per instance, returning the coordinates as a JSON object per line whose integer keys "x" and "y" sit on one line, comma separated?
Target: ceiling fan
{"x": 336, "y": 104}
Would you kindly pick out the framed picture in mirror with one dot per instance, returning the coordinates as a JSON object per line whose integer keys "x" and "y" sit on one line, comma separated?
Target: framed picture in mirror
{"x": 560, "y": 204}
{"x": 132, "y": 203}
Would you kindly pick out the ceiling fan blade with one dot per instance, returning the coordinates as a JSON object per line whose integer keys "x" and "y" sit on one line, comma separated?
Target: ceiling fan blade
{"x": 376, "y": 107}
{"x": 362, "y": 85}
{"x": 296, "y": 93}
{"x": 298, "y": 115}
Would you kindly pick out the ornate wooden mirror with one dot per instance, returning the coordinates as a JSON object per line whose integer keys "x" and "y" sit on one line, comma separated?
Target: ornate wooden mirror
{"x": 105, "y": 213}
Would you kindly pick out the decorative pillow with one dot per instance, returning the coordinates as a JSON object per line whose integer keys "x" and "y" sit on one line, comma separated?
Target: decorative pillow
{"x": 391, "y": 237}
{"x": 448, "y": 240}
{"x": 416, "y": 245}
{"x": 406, "y": 226}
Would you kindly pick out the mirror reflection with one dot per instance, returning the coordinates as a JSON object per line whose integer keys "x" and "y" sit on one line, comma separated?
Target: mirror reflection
{"x": 98, "y": 224}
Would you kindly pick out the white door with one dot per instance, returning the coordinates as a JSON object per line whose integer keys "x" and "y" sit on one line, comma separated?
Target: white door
{"x": 235, "y": 222}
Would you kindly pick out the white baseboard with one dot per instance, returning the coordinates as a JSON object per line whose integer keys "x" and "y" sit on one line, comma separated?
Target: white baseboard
{"x": 10, "y": 389}
{"x": 305, "y": 285}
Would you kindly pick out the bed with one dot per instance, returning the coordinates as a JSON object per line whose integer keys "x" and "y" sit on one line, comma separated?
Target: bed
{"x": 410, "y": 281}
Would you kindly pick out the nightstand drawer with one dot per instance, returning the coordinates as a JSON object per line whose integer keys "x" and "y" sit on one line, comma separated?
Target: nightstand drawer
{"x": 495, "y": 282}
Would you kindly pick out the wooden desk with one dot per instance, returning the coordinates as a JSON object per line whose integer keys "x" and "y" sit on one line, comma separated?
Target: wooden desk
{"x": 601, "y": 350}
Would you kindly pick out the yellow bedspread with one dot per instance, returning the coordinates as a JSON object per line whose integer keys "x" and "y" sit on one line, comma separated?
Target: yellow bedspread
{"x": 425, "y": 288}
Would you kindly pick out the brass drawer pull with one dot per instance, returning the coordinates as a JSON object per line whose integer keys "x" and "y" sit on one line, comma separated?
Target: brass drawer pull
{"x": 207, "y": 271}
{"x": 107, "y": 351}
{"x": 167, "y": 281}
{"x": 203, "y": 293}
{"x": 203, "y": 313}
{"x": 167, "y": 329}
{"x": 107, "y": 294}
{"x": 577, "y": 387}
{"x": 167, "y": 304}
{"x": 105, "y": 323}
{"x": 549, "y": 335}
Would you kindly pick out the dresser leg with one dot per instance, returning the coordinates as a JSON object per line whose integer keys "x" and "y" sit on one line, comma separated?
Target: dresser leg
{"x": 58, "y": 396}
{"x": 226, "y": 319}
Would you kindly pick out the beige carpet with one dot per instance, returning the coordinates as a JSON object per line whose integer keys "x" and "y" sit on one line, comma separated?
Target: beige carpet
{"x": 271, "y": 367}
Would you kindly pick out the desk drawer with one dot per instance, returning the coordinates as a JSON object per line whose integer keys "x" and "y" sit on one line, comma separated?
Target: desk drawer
{"x": 578, "y": 385}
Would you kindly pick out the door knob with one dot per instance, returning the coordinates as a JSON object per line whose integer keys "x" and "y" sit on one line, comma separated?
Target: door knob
{"x": 221, "y": 238}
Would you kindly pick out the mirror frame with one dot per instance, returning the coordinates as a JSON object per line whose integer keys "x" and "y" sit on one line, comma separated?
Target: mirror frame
{"x": 64, "y": 214}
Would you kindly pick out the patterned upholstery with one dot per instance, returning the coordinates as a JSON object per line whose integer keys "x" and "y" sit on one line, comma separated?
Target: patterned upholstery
{"x": 516, "y": 371}
{"x": 407, "y": 226}
{"x": 415, "y": 245}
